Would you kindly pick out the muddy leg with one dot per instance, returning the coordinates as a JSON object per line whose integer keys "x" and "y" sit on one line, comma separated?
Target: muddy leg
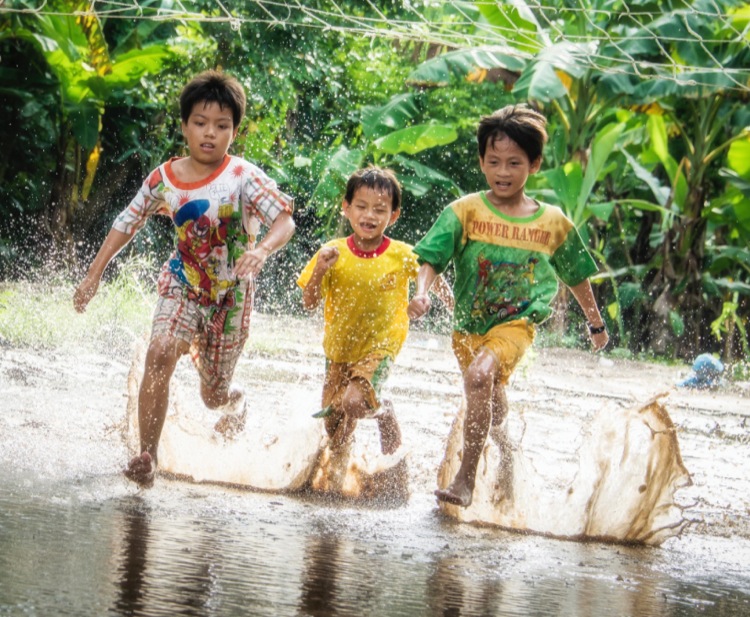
{"x": 153, "y": 398}
{"x": 479, "y": 380}
{"x": 499, "y": 435}
{"x": 390, "y": 433}
{"x": 339, "y": 428}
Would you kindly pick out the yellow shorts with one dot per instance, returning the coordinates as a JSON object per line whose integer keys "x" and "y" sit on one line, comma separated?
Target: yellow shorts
{"x": 369, "y": 373}
{"x": 507, "y": 342}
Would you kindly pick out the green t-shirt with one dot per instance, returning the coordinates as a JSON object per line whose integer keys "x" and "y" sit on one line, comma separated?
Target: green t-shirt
{"x": 506, "y": 268}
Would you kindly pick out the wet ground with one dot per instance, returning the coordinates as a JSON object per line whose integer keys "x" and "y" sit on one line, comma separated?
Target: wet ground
{"x": 77, "y": 539}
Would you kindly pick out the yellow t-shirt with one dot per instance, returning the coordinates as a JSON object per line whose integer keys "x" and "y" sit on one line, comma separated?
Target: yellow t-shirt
{"x": 365, "y": 298}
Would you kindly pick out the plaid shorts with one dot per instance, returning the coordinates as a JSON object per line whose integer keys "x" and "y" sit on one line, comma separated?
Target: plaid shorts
{"x": 507, "y": 342}
{"x": 216, "y": 333}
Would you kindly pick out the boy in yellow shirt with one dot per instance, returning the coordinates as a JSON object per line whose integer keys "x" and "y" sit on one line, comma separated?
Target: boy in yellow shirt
{"x": 364, "y": 282}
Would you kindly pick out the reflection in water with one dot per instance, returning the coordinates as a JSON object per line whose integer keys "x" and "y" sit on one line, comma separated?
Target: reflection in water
{"x": 170, "y": 580}
{"x": 132, "y": 570}
{"x": 319, "y": 588}
{"x": 76, "y": 549}
{"x": 452, "y": 594}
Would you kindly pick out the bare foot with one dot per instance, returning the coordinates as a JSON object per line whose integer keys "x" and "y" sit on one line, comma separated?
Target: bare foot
{"x": 230, "y": 424}
{"x": 390, "y": 433}
{"x": 141, "y": 470}
{"x": 457, "y": 495}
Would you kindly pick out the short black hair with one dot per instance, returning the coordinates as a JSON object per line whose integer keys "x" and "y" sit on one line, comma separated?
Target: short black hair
{"x": 525, "y": 126}
{"x": 377, "y": 178}
{"x": 214, "y": 87}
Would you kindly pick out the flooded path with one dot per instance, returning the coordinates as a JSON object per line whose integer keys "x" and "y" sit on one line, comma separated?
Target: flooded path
{"x": 77, "y": 539}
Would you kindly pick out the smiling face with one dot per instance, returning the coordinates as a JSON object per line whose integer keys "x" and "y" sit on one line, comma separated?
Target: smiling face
{"x": 370, "y": 212}
{"x": 209, "y": 131}
{"x": 507, "y": 167}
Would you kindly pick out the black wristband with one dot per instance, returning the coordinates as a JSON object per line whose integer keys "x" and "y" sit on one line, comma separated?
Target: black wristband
{"x": 598, "y": 329}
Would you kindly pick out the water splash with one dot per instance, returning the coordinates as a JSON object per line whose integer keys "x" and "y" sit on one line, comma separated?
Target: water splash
{"x": 629, "y": 468}
{"x": 280, "y": 450}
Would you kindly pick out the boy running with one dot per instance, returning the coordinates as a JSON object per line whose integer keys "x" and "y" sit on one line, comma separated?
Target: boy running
{"x": 508, "y": 251}
{"x": 217, "y": 203}
{"x": 364, "y": 282}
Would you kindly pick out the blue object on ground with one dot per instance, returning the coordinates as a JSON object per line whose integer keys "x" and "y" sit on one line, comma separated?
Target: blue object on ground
{"x": 706, "y": 373}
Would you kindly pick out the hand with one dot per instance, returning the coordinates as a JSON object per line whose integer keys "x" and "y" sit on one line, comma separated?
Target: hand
{"x": 419, "y": 306}
{"x": 85, "y": 291}
{"x": 599, "y": 341}
{"x": 251, "y": 262}
{"x": 326, "y": 258}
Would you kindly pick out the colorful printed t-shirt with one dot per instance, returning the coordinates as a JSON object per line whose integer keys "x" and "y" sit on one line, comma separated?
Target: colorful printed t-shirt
{"x": 365, "y": 299}
{"x": 506, "y": 268}
{"x": 216, "y": 220}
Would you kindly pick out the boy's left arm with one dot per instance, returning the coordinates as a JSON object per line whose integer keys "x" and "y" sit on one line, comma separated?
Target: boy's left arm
{"x": 584, "y": 295}
{"x": 279, "y": 233}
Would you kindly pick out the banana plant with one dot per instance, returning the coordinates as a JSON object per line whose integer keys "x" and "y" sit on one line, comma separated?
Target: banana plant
{"x": 696, "y": 120}
{"x": 87, "y": 75}
{"x": 390, "y": 138}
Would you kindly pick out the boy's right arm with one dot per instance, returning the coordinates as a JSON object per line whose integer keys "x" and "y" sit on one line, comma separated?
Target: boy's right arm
{"x": 112, "y": 245}
{"x": 421, "y": 302}
{"x": 311, "y": 296}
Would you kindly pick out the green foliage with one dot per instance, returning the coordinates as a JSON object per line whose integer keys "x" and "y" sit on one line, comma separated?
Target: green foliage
{"x": 444, "y": 69}
{"x": 730, "y": 320}
{"x": 647, "y": 154}
{"x": 414, "y": 139}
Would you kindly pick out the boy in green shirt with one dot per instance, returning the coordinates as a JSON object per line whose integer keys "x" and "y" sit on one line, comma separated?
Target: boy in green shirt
{"x": 508, "y": 251}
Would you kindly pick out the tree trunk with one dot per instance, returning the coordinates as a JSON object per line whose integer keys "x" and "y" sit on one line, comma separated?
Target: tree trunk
{"x": 63, "y": 201}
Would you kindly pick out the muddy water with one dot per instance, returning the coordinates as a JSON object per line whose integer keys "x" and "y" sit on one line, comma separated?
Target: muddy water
{"x": 76, "y": 539}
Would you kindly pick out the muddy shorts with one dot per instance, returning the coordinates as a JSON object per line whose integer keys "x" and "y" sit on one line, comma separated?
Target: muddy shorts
{"x": 507, "y": 342}
{"x": 216, "y": 333}
{"x": 369, "y": 373}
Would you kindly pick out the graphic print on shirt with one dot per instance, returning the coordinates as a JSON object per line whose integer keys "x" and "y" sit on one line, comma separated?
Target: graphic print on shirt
{"x": 201, "y": 244}
{"x": 503, "y": 289}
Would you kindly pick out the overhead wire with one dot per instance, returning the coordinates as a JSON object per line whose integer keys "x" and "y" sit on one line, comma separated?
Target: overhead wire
{"x": 467, "y": 31}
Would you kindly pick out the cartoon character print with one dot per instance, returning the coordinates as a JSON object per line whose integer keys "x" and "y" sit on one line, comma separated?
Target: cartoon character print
{"x": 201, "y": 247}
{"x": 155, "y": 184}
{"x": 155, "y": 181}
{"x": 230, "y": 305}
{"x": 503, "y": 289}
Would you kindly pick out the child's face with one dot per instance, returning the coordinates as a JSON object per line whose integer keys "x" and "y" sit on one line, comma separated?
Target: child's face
{"x": 507, "y": 167}
{"x": 369, "y": 213}
{"x": 209, "y": 131}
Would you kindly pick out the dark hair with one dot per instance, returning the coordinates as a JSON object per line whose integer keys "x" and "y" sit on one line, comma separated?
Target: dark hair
{"x": 375, "y": 178}
{"x": 214, "y": 87}
{"x": 525, "y": 126}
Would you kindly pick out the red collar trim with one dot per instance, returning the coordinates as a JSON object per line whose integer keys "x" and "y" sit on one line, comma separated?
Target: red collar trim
{"x": 368, "y": 254}
{"x": 188, "y": 186}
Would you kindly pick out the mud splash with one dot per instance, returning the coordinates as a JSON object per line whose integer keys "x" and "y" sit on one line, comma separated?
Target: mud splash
{"x": 282, "y": 449}
{"x": 629, "y": 468}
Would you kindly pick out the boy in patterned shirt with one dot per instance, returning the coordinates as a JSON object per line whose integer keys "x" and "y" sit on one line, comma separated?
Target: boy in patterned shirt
{"x": 217, "y": 203}
{"x": 508, "y": 251}
{"x": 364, "y": 282}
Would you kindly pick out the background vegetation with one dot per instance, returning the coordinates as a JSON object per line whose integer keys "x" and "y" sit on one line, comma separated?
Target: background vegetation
{"x": 647, "y": 102}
